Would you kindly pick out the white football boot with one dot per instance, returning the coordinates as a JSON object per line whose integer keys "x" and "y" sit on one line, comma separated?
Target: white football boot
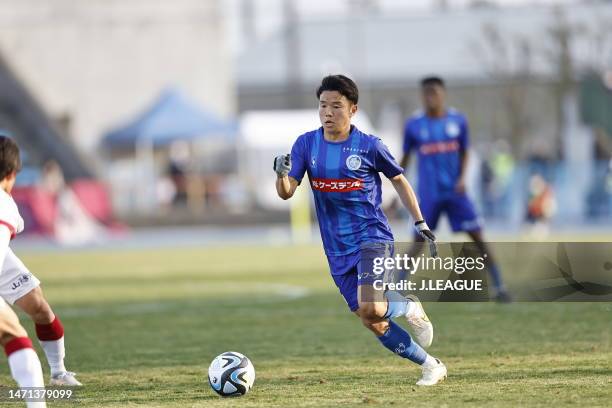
{"x": 64, "y": 379}
{"x": 433, "y": 375}
{"x": 419, "y": 322}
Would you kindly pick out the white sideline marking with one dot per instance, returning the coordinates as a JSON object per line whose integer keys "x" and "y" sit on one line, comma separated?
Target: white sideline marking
{"x": 279, "y": 292}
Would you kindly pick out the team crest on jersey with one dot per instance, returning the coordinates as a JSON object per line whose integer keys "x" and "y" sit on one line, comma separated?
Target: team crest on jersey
{"x": 452, "y": 129}
{"x": 353, "y": 162}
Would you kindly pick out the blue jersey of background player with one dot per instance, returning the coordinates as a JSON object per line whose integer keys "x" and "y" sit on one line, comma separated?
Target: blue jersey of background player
{"x": 343, "y": 166}
{"x": 440, "y": 138}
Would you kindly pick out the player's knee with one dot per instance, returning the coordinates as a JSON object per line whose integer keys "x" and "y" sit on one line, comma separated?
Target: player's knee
{"x": 371, "y": 312}
{"x": 378, "y": 327}
{"x": 36, "y": 306}
{"x": 43, "y": 313}
{"x": 10, "y": 327}
{"x": 7, "y": 335}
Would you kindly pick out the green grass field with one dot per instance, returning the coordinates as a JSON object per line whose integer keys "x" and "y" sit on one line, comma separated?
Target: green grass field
{"x": 142, "y": 327}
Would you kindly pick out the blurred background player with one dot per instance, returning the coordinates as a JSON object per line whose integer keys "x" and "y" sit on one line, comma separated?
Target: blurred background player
{"x": 440, "y": 135}
{"x": 17, "y": 285}
{"x": 343, "y": 165}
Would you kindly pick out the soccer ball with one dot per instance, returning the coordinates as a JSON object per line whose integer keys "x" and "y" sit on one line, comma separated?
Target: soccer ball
{"x": 231, "y": 374}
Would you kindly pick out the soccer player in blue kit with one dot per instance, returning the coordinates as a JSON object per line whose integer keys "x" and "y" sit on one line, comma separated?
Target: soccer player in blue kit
{"x": 343, "y": 166}
{"x": 440, "y": 136}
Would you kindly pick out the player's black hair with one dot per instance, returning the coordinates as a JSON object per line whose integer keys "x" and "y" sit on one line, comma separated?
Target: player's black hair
{"x": 342, "y": 84}
{"x": 9, "y": 156}
{"x": 433, "y": 80}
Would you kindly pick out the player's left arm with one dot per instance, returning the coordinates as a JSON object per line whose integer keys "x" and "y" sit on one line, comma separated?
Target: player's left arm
{"x": 407, "y": 196}
{"x": 385, "y": 163}
{"x": 463, "y": 157}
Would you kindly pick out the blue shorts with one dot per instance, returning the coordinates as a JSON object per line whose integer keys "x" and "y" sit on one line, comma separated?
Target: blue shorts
{"x": 351, "y": 271}
{"x": 347, "y": 285}
{"x": 460, "y": 210}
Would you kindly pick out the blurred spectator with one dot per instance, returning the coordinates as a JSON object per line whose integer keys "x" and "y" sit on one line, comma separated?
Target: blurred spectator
{"x": 72, "y": 224}
{"x": 52, "y": 179}
{"x": 487, "y": 182}
{"x": 496, "y": 176}
{"x": 599, "y": 198}
{"x": 165, "y": 190}
{"x": 178, "y": 168}
{"x": 541, "y": 205}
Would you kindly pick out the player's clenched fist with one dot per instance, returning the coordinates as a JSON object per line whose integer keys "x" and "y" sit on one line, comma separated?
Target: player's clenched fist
{"x": 424, "y": 231}
{"x": 282, "y": 164}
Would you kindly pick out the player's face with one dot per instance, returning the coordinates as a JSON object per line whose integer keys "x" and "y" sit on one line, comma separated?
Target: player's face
{"x": 335, "y": 111}
{"x": 434, "y": 97}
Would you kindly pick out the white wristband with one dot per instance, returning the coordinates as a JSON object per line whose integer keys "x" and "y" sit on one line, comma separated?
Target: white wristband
{"x": 421, "y": 226}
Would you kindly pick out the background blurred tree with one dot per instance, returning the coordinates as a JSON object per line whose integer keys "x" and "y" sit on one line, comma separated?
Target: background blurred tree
{"x": 510, "y": 60}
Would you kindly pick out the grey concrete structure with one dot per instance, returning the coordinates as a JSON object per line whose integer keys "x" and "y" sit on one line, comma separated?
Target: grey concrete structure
{"x": 96, "y": 63}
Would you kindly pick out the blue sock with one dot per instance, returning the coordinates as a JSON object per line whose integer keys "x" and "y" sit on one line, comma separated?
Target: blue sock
{"x": 399, "y": 341}
{"x": 397, "y": 305}
{"x": 496, "y": 278}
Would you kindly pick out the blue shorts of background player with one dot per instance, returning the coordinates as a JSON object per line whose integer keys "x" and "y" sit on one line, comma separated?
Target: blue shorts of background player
{"x": 459, "y": 209}
{"x": 463, "y": 218}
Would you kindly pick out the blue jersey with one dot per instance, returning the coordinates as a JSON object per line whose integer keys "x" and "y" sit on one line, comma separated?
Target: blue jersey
{"x": 438, "y": 142}
{"x": 346, "y": 187}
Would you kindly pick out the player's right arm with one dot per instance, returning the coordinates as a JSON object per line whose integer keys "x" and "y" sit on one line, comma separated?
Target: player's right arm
{"x": 407, "y": 146}
{"x": 285, "y": 184}
{"x": 405, "y": 161}
{"x": 290, "y": 169}
{"x": 463, "y": 156}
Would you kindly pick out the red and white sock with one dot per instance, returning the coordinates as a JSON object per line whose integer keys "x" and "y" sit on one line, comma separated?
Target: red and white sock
{"x": 51, "y": 337}
{"x": 25, "y": 366}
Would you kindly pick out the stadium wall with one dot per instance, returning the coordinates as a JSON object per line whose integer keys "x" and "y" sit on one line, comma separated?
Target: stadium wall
{"x": 95, "y": 63}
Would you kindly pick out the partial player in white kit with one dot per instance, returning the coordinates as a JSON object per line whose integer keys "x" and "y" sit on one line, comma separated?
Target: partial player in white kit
{"x": 17, "y": 284}
{"x": 22, "y": 359}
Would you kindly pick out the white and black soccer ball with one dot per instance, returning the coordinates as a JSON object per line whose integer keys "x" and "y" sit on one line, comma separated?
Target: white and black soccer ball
{"x": 231, "y": 374}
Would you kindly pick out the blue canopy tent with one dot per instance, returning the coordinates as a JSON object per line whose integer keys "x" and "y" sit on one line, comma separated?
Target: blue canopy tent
{"x": 172, "y": 117}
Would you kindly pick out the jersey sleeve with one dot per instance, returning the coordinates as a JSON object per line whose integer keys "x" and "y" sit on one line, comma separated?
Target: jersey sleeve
{"x": 298, "y": 160}
{"x": 9, "y": 215}
{"x": 384, "y": 162}
{"x": 464, "y": 135}
{"x": 408, "y": 139}
{"x": 9, "y": 227}
{"x": 5, "y": 238}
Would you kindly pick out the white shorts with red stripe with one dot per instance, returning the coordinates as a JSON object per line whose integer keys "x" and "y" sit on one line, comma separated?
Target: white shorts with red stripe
{"x": 16, "y": 280}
